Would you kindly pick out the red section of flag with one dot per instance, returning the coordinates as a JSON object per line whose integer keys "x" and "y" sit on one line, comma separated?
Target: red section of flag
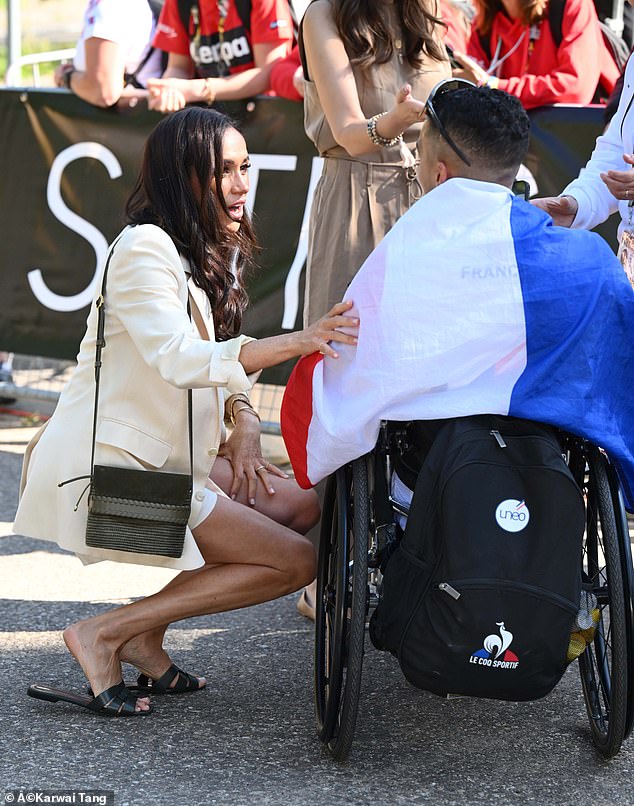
{"x": 296, "y": 415}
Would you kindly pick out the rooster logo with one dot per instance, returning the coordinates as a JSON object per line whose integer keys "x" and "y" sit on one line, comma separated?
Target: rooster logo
{"x": 498, "y": 643}
{"x": 495, "y": 651}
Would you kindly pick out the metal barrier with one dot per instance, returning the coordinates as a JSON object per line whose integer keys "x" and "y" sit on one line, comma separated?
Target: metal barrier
{"x": 13, "y": 76}
{"x": 38, "y": 381}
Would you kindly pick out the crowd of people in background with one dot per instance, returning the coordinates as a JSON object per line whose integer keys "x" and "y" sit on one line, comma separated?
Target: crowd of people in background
{"x": 202, "y": 51}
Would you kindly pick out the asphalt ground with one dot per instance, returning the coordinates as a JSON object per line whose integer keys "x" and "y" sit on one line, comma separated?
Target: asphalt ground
{"x": 250, "y": 736}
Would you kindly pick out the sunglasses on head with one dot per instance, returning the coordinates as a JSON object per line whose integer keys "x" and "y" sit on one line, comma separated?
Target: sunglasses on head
{"x": 448, "y": 85}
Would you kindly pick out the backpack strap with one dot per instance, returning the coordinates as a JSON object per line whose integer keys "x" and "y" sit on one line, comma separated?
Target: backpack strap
{"x": 243, "y": 7}
{"x": 132, "y": 78}
{"x": 555, "y": 19}
{"x": 185, "y": 11}
{"x": 485, "y": 43}
{"x": 155, "y": 8}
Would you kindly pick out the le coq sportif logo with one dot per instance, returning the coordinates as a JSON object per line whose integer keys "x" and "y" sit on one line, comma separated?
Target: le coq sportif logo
{"x": 512, "y": 515}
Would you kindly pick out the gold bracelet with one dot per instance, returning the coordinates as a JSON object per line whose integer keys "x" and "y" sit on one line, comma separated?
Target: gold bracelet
{"x": 248, "y": 409}
{"x": 237, "y": 398}
{"x": 209, "y": 96}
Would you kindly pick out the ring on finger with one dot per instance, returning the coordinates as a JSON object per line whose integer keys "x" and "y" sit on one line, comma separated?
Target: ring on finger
{"x": 322, "y": 348}
{"x": 261, "y": 467}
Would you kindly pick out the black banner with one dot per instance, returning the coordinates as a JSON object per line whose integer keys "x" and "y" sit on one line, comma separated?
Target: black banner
{"x": 68, "y": 167}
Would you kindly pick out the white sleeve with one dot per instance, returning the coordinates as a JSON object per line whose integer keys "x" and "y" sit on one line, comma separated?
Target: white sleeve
{"x": 126, "y": 23}
{"x": 596, "y": 203}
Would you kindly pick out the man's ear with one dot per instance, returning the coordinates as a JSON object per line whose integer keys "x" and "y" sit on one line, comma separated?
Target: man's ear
{"x": 442, "y": 172}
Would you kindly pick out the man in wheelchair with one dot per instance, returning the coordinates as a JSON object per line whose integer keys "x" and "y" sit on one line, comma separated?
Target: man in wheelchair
{"x": 473, "y": 303}
{"x": 486, "y": 333}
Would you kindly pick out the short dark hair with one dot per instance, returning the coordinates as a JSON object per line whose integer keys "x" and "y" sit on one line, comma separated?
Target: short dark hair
{"x": 490, "y": 126}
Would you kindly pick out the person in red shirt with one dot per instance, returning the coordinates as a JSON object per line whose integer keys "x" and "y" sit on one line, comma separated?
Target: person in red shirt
{"x": 219, "y": 56}
{"x": 287, "y": 77}
{"x": 512, "y": 47}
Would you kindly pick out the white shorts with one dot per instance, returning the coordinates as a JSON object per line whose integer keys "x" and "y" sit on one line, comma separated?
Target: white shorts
{"x": 203, "y": 503}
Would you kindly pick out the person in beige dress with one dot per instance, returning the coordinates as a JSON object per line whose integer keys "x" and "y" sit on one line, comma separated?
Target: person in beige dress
{"x": 367, "y": 75}
{"x": 350, "y": 78}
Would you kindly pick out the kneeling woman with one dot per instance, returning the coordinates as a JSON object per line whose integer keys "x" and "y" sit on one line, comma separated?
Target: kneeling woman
{"x": 189, "y": 237}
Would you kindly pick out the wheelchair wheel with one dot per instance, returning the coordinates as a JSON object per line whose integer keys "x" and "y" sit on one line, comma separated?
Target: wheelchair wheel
{"x": 604, "y": 664}
{"x": 627, "y": 567}
{"x": 342, "y": 585}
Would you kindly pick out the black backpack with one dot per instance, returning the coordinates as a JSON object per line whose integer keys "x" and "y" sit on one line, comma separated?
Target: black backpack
{"x": 616, "y": 44}
{"x": 480, "y": 595}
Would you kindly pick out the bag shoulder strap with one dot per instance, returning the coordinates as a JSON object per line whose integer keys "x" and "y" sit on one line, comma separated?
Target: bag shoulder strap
{"x": 300, "y": 43}
{"x": 100, "y": 343}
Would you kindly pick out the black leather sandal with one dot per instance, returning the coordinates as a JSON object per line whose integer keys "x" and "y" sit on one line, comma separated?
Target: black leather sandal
{"x": 114, "y": 701}
{"x": 185, "y": 683}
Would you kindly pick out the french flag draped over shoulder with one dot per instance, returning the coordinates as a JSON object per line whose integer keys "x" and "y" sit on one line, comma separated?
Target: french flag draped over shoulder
{"x": 474, "y": 303}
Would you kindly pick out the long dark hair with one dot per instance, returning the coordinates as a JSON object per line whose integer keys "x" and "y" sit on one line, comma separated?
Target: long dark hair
{"x": 183, "y": 146}
{"x": 367, "y": 39}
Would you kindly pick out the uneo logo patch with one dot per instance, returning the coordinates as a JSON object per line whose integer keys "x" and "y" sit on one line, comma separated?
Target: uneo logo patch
{"x": 512, "y": 515}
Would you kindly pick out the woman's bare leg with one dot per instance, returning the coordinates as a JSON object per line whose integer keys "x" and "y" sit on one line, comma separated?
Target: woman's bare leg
{"x": 250, "y": 559}
{"x": 290, "y": 506}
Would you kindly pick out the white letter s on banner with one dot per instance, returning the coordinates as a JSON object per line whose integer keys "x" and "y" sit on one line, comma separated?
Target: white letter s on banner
{"x": 57, "y": 302}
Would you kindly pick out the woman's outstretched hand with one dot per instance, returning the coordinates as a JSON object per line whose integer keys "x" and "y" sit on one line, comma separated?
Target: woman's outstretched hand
{"x": 334, "y": 327}
{"x": 317, "y": 336}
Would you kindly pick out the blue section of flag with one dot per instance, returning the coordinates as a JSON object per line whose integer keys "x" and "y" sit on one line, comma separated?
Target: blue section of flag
{"x": 482, "y": 653}
{"x": 576, "y": 295}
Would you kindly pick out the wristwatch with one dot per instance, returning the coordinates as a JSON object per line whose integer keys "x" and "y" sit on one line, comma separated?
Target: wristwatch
{"x": 66, "y": 76}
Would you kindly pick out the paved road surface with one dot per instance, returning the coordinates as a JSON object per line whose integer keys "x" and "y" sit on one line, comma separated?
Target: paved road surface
{"x": 250, "y": 738}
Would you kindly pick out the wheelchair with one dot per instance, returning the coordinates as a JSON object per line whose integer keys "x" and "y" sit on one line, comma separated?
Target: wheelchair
{"x": 357, "y": 521}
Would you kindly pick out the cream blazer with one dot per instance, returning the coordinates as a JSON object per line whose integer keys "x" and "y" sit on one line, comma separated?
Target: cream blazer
{"x": 153, "y": 354}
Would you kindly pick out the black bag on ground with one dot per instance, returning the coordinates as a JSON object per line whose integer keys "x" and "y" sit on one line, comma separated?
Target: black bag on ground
{"x": 480, "y": 595}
